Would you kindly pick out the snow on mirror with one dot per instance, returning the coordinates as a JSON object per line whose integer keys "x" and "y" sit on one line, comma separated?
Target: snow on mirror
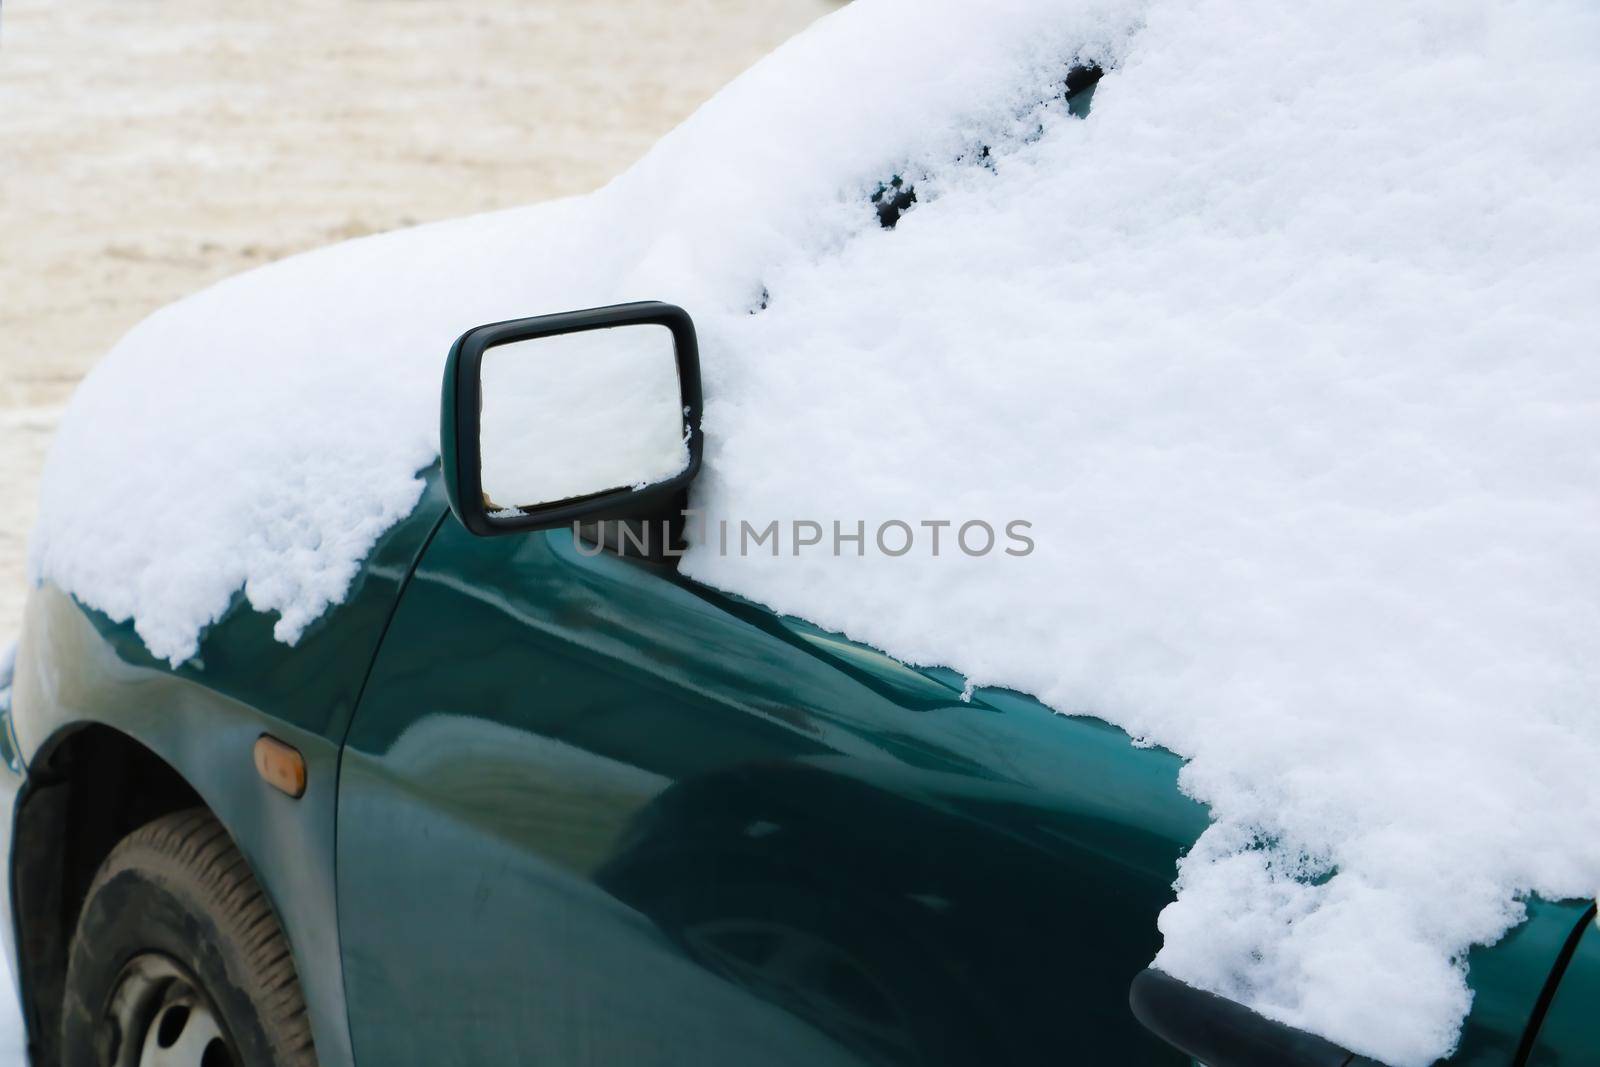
{"x": 575, "y": 414}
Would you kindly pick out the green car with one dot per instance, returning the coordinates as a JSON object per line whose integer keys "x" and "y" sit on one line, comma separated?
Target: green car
{"x": 529, "y": 795}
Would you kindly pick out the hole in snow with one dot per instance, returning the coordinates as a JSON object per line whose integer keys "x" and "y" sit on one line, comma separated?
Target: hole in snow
{"x": 892, "y": 199}
{"x": 1079, "y": 92}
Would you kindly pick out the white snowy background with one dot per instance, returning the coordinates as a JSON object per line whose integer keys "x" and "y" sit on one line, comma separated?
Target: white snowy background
{"x": 1287, "y": 352}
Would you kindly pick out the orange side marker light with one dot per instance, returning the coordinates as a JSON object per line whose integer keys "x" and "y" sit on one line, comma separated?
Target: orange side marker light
{"x": 280, "y": 766}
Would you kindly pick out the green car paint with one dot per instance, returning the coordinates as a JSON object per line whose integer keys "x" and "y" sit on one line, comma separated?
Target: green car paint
{"x": 1566, "y": 1038}
{"x": 597, "y": 782}
{"x": 1508, "y": 980}
{"x": 568, "y": 807}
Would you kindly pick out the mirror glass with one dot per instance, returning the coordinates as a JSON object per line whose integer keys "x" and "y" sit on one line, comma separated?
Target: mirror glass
{"x": 575, "y": 414}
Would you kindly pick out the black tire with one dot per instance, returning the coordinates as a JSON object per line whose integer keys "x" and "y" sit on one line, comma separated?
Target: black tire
{"x": 177, "y": 892}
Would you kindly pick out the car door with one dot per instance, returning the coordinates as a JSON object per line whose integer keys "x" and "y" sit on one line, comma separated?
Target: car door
{"x": 590, "y": 812}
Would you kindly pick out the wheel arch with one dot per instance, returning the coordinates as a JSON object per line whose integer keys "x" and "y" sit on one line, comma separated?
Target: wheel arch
{"x": 89, "y": 786}
{"x": 81, "y": 676}
{"x": 94, "y": 779}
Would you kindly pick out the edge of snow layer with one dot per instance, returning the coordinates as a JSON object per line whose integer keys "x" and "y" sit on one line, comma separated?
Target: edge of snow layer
{"x": 1287, "y": 353}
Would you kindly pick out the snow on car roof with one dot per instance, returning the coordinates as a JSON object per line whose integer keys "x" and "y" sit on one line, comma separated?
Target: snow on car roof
{"x": 1287, "y": 353}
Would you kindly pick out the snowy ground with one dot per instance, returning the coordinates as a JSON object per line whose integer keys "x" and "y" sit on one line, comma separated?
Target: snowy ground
{"x": 150, "y": 150}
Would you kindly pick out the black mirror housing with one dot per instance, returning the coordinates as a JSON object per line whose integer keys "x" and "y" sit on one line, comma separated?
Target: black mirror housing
{"x": 461, "y": 410}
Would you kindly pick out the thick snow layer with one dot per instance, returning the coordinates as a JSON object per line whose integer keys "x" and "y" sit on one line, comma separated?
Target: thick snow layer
{"x": 1287, "y": 352}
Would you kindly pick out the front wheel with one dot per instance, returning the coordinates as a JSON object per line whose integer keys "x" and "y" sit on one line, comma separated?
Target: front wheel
{"x": 179, "y": 961}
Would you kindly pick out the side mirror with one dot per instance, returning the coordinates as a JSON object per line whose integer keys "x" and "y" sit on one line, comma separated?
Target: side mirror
{"x": 579, "y": 416}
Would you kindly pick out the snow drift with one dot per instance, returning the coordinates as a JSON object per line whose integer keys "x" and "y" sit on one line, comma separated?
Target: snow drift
{"x": 1288, "y": 352}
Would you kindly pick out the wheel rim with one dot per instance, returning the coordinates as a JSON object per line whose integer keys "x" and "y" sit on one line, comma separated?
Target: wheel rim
{"x": 159, "y": 1016}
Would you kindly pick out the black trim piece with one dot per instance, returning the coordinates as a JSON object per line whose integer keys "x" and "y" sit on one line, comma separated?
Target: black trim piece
{"x": 1224, "y": 1033}
{"x": 1541, "y": 1007}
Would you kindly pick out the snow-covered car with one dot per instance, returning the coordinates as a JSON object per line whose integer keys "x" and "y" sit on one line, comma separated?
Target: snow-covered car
{"x": 1112, "y": 585}
{"x": 530, "y": 795}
